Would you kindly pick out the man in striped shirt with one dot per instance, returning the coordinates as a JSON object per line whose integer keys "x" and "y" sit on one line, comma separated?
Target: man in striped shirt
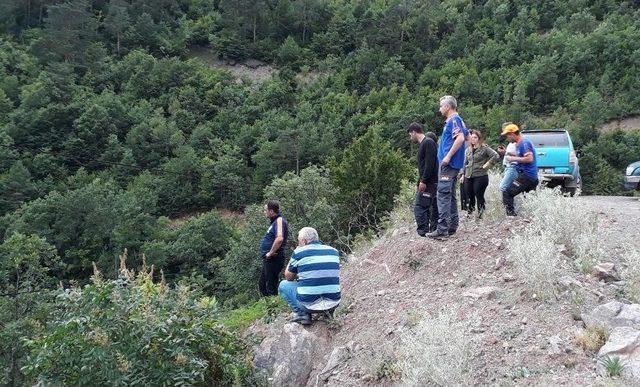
{"x": 312, "y": 278}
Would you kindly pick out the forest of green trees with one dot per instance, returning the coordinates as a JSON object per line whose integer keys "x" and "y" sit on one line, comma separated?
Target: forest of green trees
{"x": 112, "y": 140}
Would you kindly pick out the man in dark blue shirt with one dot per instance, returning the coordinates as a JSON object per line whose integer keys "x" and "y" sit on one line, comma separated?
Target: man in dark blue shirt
{"x": 527, "y": 167}
{"x": 272, "y": 249}
{"x": 451, "y": 158}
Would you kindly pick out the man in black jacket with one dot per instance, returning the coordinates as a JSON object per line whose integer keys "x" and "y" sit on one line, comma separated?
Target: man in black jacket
{"x": 425, "y": 209}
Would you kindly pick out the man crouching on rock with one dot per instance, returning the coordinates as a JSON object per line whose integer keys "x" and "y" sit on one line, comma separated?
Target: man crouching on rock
{"x": 312, "y": 282}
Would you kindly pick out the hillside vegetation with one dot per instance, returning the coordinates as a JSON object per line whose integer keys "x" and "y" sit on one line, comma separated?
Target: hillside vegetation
{"x": 108, "y": 132}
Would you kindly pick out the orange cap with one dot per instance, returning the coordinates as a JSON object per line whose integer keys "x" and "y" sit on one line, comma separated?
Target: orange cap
{"x": 511, "y": 128}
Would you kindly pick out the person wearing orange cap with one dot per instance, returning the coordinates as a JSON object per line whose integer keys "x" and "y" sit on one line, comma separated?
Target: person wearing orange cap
{"x": 527, "y": 167}
{"x": 510, "y": 173}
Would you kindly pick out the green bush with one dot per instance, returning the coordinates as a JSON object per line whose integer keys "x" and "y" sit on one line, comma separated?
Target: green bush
{"x": 242, "y": 263}
{"x": 604, "y": 159}
{"x": 27, "y": 267}
{"x": 368, "y": 175}
{"x": 131, "y": 331}
{"x": 195, "y": 248}
{"x": 307, "y": 200}
{"x": 291, "y": 54}
{"x": 266, "y": 308}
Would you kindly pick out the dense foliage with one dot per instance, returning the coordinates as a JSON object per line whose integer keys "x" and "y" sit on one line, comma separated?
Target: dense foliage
{"x": 131, "y": 331}
{"x": 113, "y": 136}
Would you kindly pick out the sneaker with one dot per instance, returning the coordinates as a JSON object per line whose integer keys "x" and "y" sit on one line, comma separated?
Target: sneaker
{"x": 437, "y": 235}
{"x": 511, "y": 213}
{"x": 302, "y": 319}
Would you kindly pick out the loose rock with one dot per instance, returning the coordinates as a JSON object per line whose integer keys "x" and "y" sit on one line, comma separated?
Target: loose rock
{"x": 606, "y": 271}
{"x": 488, "y": 292}
{"x": 612, "y": 315}
{"x": 500, "y": 262}
{"x": 287, "y": 355}
{"x": 623, "y": 343}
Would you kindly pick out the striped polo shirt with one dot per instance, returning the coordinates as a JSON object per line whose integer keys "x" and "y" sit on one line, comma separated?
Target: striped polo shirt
{"x": 318, "y": 270}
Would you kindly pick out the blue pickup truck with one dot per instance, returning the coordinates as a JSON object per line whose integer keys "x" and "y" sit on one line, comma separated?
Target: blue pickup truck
{"x": 557, "y": 159}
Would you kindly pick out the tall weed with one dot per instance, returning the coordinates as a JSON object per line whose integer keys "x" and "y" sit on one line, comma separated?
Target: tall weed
{"x": 437, "y": 351}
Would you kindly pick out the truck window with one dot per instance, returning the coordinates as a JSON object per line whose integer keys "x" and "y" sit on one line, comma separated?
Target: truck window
{"x": 548, "y": 139}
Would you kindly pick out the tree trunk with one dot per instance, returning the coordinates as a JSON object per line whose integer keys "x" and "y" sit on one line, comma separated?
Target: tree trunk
{"x": 255, "y": 26}
{"x": 14, "y": 372}
{"x": 28, "y": 13}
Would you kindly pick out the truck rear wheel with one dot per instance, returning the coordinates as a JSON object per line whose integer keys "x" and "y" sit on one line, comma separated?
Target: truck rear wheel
{"x": 572, "y": 191}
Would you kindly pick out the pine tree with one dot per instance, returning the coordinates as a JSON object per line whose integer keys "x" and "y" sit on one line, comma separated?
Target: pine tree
{"x": 69, "y": 28}
{"x": 368, "y": 175}
{"x": 117, "y": 20}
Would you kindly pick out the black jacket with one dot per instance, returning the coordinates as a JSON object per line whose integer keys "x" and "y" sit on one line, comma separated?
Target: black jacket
{"x": 427, "y": 161}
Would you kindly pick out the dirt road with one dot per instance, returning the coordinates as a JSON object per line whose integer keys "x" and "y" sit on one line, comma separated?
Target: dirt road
{"x": 621, "y": 215}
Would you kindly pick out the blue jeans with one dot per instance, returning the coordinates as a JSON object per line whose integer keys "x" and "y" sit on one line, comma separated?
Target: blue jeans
{"x": 510, "y": 174}
{"x": 289, "y": 292}
{"x": 447, "y": 205}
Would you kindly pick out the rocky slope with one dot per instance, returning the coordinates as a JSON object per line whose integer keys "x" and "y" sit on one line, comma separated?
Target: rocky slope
{"x": 512, "y": 336}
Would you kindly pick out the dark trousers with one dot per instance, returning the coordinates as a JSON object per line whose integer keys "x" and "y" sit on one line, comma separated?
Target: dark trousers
{"x": 519, "y": 185}
{"x": 426, "y": 211}
{"x": 447, "y": 204}
{"x": 476, "y": 186}
{"x": 464, "y": 200}
{"x": 270, "y": 275}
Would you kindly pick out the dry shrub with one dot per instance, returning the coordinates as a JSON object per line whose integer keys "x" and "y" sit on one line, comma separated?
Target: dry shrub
{"x": 378, "y": 360}
{"x": 568, "y": 222}
{"x": 402, "y": 212}
{"x": 590, "y": 339}
{"x": 437, "y": 351}
{"x": 494, "y": 210}
{"x": 631, "y": 271}
{"x": 536, "y": 260}
{"x": 556, "y": 220}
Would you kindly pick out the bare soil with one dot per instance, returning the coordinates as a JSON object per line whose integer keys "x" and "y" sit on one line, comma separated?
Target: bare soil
{"x": 625, "y": 124}
{"x": 238, "y": 70}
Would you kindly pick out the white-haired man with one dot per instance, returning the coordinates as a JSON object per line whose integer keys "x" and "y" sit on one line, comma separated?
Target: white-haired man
{"x": 451, "y": 158}
{"x": 312, "y": 278}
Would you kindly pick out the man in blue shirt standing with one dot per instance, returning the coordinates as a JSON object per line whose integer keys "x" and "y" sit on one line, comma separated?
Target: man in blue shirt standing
{"x": 272, "y": 249}
{"x": 451, "y": 159}
{"x": 527, "y": 167}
